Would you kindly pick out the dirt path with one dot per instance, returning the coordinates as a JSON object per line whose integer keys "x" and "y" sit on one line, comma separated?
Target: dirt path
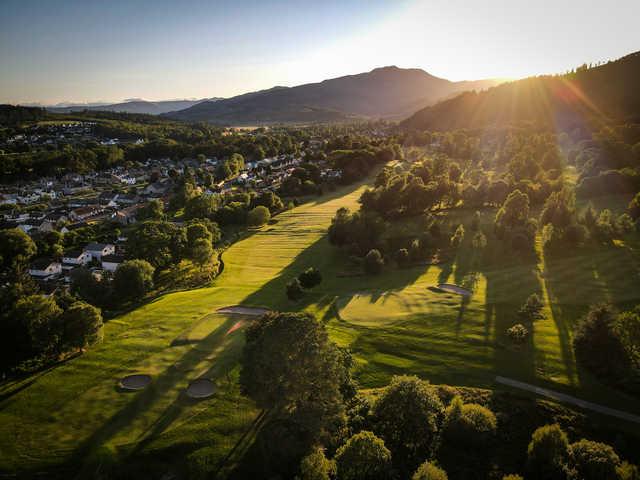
{"x": 561, "y": 397}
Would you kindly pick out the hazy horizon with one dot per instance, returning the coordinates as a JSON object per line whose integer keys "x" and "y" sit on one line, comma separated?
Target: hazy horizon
{"x": 92, "y": 52}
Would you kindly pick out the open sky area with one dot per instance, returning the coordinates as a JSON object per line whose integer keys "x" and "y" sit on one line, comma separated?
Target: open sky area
{"x": 86, "y": 51}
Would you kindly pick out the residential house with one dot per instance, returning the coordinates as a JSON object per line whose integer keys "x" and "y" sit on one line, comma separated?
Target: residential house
{"x": 98, "y": 250}
{"x": 126, "y": 216}
{"x": 45, "y": 268}
{"x": 75, "y": 258}
{"x": 82, "y": 213}
{"x": 112, "y": 262}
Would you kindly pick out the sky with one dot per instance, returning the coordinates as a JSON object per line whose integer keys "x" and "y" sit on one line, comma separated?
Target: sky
{"x": 88, "y": 50}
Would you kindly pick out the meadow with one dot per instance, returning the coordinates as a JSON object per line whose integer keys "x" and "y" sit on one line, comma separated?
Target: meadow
{"x": 393, "y": 323}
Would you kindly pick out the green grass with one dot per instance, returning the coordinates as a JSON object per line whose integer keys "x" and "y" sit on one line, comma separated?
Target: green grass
{"x": 392, "y": 322}
{"x": 75, "y": 411}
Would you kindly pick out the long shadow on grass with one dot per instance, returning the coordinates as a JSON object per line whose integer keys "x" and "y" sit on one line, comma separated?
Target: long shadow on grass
{"x": 510, "y": 279}
{"x": 145, "y": 399}
{"x": 577, "y": 280}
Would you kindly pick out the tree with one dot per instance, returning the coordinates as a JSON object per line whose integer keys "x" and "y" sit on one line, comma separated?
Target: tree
{"x": 513, "y": 213}
{"x": 159, "y": 243}
{"x": 402, "y": 257}
{"x": 479, "y": 241}
{"x": 593, "y": 461}
{"x": 294, "y": 290}
{"x": 634, "y": 207}
{"x": 16, "y": 249}
{"x": 85, "y": 284}
{"x": 598, "y": 345}
{"x": 408, "y": 416}
{"x": 532, "y": 308}
{"x": 201, "y": 206}
{"x": 290, "y": 366}
{"x": 197, "y": 231}
{"x": 258, "y": 216}
{"x": 373, "y": 262}
{"x": 457, "y": 237}
{"x": 152, "y": 210}
{"x": 468, "y": 424}
{"x": 133, "y": 279}
{"x": 548, "y": 452}
{"x": 38, "y": 329}
{"x": 310, "y": 278}
{"x": 82, "y": 325}
{"x": 428, "y": 471}
{"x": 202, "y": 251}
{"x": 518, "y": 333}
{"x": 627, "y": 328}
{"x": 316, "y": 466}
{"x": 363, "y": 457}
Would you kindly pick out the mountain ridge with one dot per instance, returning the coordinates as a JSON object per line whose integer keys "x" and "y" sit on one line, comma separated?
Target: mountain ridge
{"x": 384, "y": 92}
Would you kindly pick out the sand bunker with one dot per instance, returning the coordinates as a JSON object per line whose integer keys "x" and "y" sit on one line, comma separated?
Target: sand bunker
{"x": 449, "y": 287}
{"x": 135, "y": 382}
{"x": 239, "y": 310}
{"x": 201, "y": 388}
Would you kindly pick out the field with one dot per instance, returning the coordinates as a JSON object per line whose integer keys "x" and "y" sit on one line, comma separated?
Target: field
{"x": 393, "y": 323}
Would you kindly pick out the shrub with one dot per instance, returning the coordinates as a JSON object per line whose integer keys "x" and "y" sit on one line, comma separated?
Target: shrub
{"x": 310, "y": 278}
{"x": 518, "y": 333}
{"x": 316, "y": 466}
{"x": 373, "y": 262}
{"x": 364, "y": 456}
{"x": 468, "y": 424}
{"x": 512, "y": 476}
{"x": 428, "y": 471}
{"x": 294, "y": 290}
{"x": 593, "y": 461}
{"x": 408, "y": 416}
{"x": 547, "y": 453}
{"x": 258, "y": 216}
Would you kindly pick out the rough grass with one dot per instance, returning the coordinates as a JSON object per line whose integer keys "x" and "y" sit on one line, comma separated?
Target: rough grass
{"x": 73, "y": 414}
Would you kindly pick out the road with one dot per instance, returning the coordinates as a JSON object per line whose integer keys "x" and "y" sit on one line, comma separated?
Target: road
{"x": 561, "y": 397}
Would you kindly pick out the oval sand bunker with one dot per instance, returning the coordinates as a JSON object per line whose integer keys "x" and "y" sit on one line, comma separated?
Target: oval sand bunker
{"x": 449, "y": 287}
{"x": 201, "y": 388}
{"x": 135, "y": 382}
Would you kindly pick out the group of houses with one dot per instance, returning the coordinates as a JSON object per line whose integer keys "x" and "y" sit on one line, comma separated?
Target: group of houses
{"x": 96, "y": 256}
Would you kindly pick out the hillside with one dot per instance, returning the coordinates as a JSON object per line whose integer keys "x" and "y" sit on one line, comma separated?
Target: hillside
{"x": 388, "y": 92}
{"x": 605, "y": 92}
{"x": 133, "y": 106}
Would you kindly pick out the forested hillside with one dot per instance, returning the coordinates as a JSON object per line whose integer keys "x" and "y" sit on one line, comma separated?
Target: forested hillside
{"x": 584, "y": 96}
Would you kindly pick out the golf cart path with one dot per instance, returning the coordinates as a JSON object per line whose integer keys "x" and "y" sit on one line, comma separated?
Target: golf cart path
{"x": 561, "y": 397}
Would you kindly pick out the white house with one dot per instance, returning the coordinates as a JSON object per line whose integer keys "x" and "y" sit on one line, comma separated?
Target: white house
{"x": 112, "y": 262}
{"x": 75, "y": 258}
{"x": 45, "y": 268}
{"x": 98, "y": 250}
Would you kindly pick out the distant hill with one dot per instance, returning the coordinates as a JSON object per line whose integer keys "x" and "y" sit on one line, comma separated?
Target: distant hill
{"x": 602, "y": 93}
{"x": 388, "y": 92}
{"x": 133, "y": 106}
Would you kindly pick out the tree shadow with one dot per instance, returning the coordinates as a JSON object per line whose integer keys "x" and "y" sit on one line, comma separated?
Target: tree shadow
{"x": 144, "y": 400}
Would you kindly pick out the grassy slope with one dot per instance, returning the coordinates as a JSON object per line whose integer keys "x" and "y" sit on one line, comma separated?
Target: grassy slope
{"x": 392, "y": 322}
{"x": 76, "y": 409}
